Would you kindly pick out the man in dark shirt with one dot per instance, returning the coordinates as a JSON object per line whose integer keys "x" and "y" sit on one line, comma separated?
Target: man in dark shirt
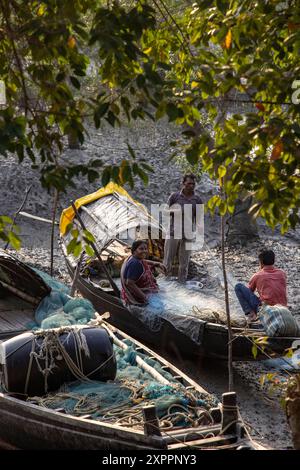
{"x": 174, "y": 241}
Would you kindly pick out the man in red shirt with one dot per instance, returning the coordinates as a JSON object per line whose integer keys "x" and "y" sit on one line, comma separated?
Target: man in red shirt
{"x": 269, "y": 282}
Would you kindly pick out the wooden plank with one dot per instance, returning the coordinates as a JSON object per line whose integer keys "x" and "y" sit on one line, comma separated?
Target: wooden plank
{"x": 229, "y": 412}
{"x": 12, "y": 319}
{"x": 20, "y": 293}
{"x": 209, "y": 441}
{"x": 15, "y": 319}
{"x": 151, "y": 423}
{"x": 184, "y": 431}
{"x": 19, "y": 314}
{"x": 5, "y": 319}
{"x": 12, "y": 304}
{"x": 5, "y": 326}
{"x": 7, "y": 446}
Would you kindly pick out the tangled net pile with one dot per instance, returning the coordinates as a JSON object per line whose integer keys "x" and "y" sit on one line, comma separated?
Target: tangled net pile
{"x": 121, "y": 401}
{"x": 59, "y": 309}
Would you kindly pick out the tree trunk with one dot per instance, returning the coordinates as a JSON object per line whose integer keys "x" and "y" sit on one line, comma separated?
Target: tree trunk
{"x": 293, "y": 409}
{"x": 230, "y": 335}
{"x": 73, "y": 141}
{"x": 241, "y": 226}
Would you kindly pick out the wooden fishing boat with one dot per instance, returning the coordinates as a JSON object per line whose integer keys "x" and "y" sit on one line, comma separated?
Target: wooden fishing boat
{"x": 25, "y": 425}
{"x": 115, "y": 220}
{"x": 21, "y": 290}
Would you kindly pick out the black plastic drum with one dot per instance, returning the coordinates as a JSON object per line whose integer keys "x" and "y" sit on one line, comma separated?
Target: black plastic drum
{"x": 23, "y": 372}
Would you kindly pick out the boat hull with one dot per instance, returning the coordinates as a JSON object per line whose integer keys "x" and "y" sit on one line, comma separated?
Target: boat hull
{"x": 214, "y": 341}
{"x": 27, "y": 426}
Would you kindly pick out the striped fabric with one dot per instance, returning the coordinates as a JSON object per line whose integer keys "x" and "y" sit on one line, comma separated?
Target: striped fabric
{"x": 277, "y": 320}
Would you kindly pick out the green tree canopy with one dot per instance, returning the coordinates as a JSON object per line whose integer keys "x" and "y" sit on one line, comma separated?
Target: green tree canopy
{"x": 187, "y": 61}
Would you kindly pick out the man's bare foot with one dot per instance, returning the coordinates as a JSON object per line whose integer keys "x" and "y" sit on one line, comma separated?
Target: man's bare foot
{"x": 251, "y": 317}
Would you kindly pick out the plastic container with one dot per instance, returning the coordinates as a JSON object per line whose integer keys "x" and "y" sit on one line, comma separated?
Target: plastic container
{"x": 23, "y": 374}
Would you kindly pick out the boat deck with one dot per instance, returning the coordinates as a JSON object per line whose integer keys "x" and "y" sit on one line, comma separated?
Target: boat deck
{"x": 15, "y": 314}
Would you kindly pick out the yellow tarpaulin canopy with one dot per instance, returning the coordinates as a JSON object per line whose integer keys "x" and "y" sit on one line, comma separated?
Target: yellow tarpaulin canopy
{"x": 68, "y": 214}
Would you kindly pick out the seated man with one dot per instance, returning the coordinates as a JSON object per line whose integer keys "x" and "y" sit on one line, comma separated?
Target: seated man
{"x": 138, "y": 281}
{"x": 270, "y": 284}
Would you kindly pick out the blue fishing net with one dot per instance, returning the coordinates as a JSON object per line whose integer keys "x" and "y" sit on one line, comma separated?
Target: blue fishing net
{"x": 185, "y": 307}
{"x": 59, "y": 309}
{"x": 121, "y": 401}
{"x": 53, "y": 283}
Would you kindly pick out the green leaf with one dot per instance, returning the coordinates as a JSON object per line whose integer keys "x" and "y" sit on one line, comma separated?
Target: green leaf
{"x": 102, "y": 110}
{"x": 144, "y": 177}
{"x": 222, "y": 208}
{"x": 77, "y": 249}
{"x": 14, "y": 240}
{"x": 222, "y": 5}
{"x": 172, "y": 111}
{"x": 111, "y": 118}
{"x": 92, "y": 175}
{"x": 131, "y": 151}
{"x": 192, "y": 155}
{"x": 90, "y": 237}
{"x": 254, "y": 351}
{"x": 221, "y": 171}
{"x": 106, "y": 176}
{"x": 5, "y": 219}
{"x": 69, "y": 227}
{"x": 71, "y": 246}
{"x": 75, "y": 82}
{"x": 140, "y": 81}
{"x": 89, "y": 250}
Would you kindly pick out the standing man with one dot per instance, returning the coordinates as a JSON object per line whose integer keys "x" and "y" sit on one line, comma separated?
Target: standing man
{"x": 177, "y": 203}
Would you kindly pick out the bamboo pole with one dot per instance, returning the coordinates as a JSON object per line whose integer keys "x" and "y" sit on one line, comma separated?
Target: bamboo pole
{"x": 156, "y": 375}
{"x": 35, "y": 217}
{"x": 21, "y": 294}
{"x": 76, "y": 275}
{"x": 56, "y": 195}
{"x": 230, "y": 335}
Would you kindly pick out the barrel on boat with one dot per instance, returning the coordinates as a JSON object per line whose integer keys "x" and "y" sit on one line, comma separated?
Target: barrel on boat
{"x": 36, "y": 364}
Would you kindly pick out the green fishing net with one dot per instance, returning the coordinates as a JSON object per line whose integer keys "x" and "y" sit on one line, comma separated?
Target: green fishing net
{"x": 59, "y": 309}
{"x": 121, "y": 402}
